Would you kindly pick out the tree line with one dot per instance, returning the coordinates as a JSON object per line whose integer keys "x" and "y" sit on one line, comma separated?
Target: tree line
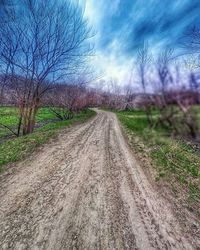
{"x": 167, "y": 83}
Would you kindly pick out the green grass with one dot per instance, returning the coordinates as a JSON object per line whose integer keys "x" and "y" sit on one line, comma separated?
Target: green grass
{"x": 18, "y": 148}
{"x": 44, "y": 114}
{"x": 9, "y": 116}
{"x": 175, "y": 161}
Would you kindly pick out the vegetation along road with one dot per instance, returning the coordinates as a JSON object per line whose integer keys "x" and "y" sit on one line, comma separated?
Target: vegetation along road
{"x": 85, "y": 190}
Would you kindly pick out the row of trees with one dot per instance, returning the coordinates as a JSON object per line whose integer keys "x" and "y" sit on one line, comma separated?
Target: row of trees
{"x": 41, "y": 44}
{"x": 175, "y": 109}
{"x": 64, "y": 100}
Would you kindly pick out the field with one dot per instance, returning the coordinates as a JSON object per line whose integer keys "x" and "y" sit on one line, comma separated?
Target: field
{"x": 9, "y": 117}
{"x": 176, "y": 162}
{"x": 47, "y": 126}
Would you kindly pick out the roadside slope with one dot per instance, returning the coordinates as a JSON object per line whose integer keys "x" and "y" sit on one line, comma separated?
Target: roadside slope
{"x": 85, "y": 191}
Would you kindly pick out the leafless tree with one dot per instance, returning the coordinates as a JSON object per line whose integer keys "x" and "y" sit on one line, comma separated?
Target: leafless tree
{"x": 191, "y": 40}
{"x": 188, "y": 122}
{"x": 187, "y": 99}
{"x": 6, "y": 15}
{"x": 67, "y": 100}
{"x": 47, "y": 42}
{"x": 143, "y": 60}
{"x": 128, "y": 96}
{"x": 163, "y": 71}
{"x": 165, "y": 79}
{"x": 176, "y": 105}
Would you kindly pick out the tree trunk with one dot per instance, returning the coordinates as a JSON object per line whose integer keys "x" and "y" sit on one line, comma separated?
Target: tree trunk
{"x": 28, "y": 117}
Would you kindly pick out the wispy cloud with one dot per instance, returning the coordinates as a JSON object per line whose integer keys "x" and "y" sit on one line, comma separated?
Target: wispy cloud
{"x": 123, "y": 25}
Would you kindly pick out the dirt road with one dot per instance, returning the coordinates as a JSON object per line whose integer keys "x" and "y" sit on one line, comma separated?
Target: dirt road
{"x": 85, "y": 191}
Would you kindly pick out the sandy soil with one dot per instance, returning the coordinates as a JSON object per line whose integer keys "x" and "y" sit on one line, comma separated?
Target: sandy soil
{"x": 85, "y": 191}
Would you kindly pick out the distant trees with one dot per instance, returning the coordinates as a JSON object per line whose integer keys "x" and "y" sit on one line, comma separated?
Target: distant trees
{"x": 165, "y": 79}
{"x": 45, "y": 43}
{"x": 66, "y": 100}
{"x": 128, "y": 96}
{"x": 143, "y": 60}
{"x": 187, "y": 120}
{"x": 167, "y": 93}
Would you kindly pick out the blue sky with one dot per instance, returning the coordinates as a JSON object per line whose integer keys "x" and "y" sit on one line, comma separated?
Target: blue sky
{"x": 121, "y": 27}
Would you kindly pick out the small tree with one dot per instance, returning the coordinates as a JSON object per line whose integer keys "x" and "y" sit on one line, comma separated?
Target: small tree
{"x": 65, "y": 99}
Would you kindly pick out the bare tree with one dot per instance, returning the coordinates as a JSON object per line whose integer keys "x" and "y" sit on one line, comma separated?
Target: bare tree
{"x": 163, "y": 71}
{"x": 65, "y": 100}
{"x": 165, "y": 79}
{"x": 46, "y": 42}
{"x": 175, "y": 105}
{"x": 191, "y": 41}
{"x": 143, "y": 60}
{"x": 188, "y": 116}
{"x": 6, "y": 15}
{"x": 128, "y": 96}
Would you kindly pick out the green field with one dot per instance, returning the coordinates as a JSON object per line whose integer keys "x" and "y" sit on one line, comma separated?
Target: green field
{"x": 9, "y": 116}
{"x": 13, "y": 149}
{"x": 175, "y": 161}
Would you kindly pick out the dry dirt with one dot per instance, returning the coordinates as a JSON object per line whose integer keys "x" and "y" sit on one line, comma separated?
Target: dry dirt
{"x": 85, "y": 190}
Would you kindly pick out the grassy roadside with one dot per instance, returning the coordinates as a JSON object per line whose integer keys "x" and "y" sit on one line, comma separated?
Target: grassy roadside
{"x": 18, "y": 148}
{"x": 177, "y": 165}
{"x": 9, "y": 116}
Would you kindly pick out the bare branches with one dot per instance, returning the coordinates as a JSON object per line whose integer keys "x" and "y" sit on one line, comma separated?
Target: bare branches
{"x": 143, "y": 59}
{"x": 46, "y": 42}
{"x": 191, "y": 40}
{"x": 162, "y": 66}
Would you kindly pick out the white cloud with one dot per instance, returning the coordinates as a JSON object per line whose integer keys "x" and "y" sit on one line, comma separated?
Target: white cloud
{"x": 108, "y": 63}
{"x": 108, "y": 66}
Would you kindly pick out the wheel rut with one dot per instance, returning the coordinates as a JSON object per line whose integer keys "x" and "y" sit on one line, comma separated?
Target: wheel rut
{"x": 85, "y": 190}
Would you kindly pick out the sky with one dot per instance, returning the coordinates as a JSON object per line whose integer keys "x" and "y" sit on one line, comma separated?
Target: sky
{"x": 122, "y": 26}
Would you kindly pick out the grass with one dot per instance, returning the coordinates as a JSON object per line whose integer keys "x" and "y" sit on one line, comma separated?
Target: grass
{"x": 175, "y": 161}
{"x": 9, "y": 116}
{"x": 18, "y": 148}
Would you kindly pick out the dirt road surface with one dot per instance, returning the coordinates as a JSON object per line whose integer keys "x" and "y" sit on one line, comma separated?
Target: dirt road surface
{"x": 85, "y": 190}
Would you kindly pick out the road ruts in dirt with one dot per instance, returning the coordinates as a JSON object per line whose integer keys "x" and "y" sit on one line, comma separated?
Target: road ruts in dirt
{"x": 85, "y": 191}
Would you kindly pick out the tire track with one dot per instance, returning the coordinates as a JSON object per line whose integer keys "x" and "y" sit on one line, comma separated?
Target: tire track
{"x": 85, "y": 191}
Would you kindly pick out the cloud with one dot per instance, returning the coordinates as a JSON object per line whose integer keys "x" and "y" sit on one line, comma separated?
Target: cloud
{"x": 123, "y": 25}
